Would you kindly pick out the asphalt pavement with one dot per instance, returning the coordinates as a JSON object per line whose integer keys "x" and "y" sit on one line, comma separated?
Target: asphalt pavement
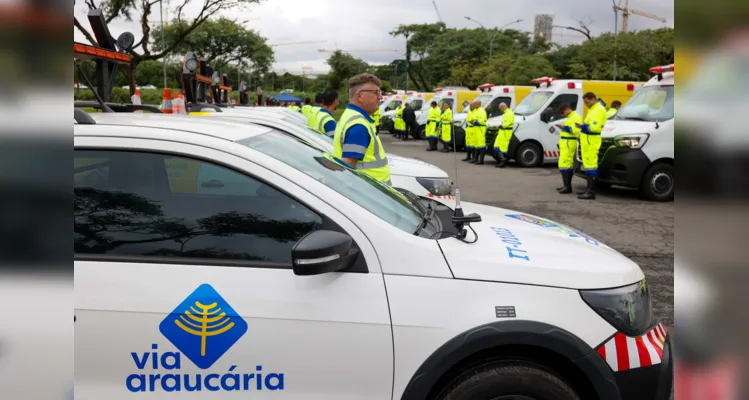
{"x": 641, "y": 230}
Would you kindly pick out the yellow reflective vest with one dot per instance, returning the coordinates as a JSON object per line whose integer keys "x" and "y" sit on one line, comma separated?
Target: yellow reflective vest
{"x": 375, "y": 162}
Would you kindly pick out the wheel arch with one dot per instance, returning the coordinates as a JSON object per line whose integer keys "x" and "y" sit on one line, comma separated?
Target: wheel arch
{"x": 539, "y": 342}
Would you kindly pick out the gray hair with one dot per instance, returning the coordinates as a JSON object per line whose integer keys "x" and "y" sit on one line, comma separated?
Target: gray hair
{"x": 356, "y": 82}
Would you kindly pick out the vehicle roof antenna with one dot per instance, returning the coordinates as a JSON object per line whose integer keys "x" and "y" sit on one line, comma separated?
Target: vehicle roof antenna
{"x": 459, "y": 220}
{"x": 104, "y": 106}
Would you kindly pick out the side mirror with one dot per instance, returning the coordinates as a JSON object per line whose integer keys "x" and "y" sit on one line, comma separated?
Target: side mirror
{"x": 321, "y": 252}
{"x": 546, "y": 115}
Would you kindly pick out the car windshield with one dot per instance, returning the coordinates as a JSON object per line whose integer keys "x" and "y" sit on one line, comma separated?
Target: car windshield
{"x": 484, "y": 98}
{"x": 650, "y": 103}
{"x": 417, "y": 104}
{"x": 531, "y": 104}
{"x": 381, "y": 200}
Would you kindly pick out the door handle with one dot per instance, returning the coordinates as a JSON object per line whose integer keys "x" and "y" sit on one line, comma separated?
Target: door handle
{"x": 212, "y": 184}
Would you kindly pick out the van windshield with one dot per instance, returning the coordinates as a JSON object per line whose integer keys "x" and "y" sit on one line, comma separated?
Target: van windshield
{"x": 650, "y": 103}
{"x": 427, "y": 105}
{"x": 381, "y": 200}
{"x": 531, "y": 104}
{"x": 417, "y": 104}
{"x": 483, "y": 98}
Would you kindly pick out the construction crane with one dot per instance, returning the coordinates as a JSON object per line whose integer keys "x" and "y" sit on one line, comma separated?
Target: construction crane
{"x": 295, "y": 43}
{"x": 360, "y": 51}
{"x": 437, "y": 10}
{"x": 626, "y": 11}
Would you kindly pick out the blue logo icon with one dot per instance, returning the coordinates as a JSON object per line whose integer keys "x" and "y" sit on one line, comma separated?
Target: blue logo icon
{"x": 203, "y": 327}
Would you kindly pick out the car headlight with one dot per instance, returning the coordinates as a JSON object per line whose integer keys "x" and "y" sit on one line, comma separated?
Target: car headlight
{"x": 628, "y": 309}
{"x": 437, "y": 186}
{"x": 632, "y": 141}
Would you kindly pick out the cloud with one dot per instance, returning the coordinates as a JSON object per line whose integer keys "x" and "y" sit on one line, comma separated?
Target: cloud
{"x": 360, "y": 25}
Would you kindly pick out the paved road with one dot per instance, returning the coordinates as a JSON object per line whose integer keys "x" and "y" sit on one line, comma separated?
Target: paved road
{"x": 641, "y": 230}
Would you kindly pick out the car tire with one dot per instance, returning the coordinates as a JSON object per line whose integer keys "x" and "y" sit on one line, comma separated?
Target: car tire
{"x": 658, "y": 183}
{"x": 423, "y": 132}
{"x": 511, "y": 380}
{"x": 529, "y": 155}
{"x": 460, "y": 138}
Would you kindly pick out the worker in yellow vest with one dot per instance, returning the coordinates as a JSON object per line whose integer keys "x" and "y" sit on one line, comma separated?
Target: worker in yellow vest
{"x": 306, "y": 107}
{"x": 355, "y": 140}
{"x": 446, "y": 123}
{"x": 376, "y": 119}
{"x": 568, "y": 145}
{"x": 476, "y": 122}
{"x": 615, "y": 106}
{"x": 312, "y": 115}
{"x": 399, "y": 125}
{"x": 590, "y": 142}
{"x": 433, "y": 120}
{"x": 502, "y": 141}
{"x": 325, "y": 123}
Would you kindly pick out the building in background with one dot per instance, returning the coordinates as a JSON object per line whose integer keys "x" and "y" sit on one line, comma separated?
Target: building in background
{"x": 543, "y": 26}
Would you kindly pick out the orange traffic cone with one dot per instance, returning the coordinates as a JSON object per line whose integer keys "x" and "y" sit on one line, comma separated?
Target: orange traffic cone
{"x": 136, "y": 99}
{"x": 178, "y": 107}
{"x": 166, "y": 101}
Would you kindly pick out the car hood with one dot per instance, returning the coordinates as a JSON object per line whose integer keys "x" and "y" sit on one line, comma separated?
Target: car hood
{"x": 522, "y": 248}
{"x": 412, "y": 167}
{"x": 616, "y": 127}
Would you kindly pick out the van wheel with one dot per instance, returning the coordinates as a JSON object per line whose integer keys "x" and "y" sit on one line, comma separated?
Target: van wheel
{"x": 509, "y": 381}
{"x": 423, "y": 132}
{"x": 658, "y": 183}
{"x": 528, "y": 155}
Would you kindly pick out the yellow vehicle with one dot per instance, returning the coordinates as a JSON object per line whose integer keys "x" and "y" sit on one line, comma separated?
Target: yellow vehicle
{"x": 533, "y": 142}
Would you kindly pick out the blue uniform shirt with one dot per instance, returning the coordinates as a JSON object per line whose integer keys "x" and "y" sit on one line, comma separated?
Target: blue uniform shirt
{"x": 330, "y": 125}
{"x": 357, "y": 135}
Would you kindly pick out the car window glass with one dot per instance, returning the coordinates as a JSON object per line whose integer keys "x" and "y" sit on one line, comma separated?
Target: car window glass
{"x": 381, "y": 200}
{"x": 157, "y": 205}
{"x": 651, "y": 103}
{"x": 492, "y": 110}
{"x": 570, "y": 99}
{"x": 532, "y": 103}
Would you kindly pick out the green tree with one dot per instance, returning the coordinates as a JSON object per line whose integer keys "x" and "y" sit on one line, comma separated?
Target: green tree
{"x": 526, "y": 68}
{"x": 342, "y": 67}
{"x": 218, "y": 41}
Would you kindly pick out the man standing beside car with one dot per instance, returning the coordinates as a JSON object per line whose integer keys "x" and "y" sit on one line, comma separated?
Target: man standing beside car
{"x": 325, "y": 122}
{"x": 590, "y": 142}
{"x": 409, "y": 119}
{"x": 312, "y": 115}
{"x": 568, "y": 145}
{"x": 355, "y": 140}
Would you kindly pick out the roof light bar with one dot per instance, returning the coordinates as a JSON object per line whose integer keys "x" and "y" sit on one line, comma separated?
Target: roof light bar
{"x": 661, "y": 69}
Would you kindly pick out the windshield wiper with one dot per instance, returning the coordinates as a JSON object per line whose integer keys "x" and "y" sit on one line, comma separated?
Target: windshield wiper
{"x": 633, "y": 118}
{"x": 428, "y": 214}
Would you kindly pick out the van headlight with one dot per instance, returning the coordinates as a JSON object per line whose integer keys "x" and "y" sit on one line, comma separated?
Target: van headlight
{"x": 628, "y": 309}
{"x": 635, "y": 141}
{"x": 437, "y": 186}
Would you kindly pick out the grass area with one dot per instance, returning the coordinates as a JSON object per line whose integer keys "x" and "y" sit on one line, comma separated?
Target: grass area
{"x": 337, "y": 113}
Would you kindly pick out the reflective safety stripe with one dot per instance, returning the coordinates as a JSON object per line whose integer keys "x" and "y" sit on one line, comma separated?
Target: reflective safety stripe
{"x": 374, "y": 164}
{"x": 354, "y": 148}
{"x": 568, "y": 138}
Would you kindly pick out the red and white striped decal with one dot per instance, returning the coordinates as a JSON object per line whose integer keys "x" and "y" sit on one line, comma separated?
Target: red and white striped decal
{"x": 551, "y": 154}
{"x": 446, "y": 197}
{"x": 623, "y": 353}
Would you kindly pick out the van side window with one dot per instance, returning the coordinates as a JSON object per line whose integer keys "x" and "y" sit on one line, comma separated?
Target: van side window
{"x": 145, "y": 205}
{"x": 570, "y": 99}
{"x": 493, "y": 107}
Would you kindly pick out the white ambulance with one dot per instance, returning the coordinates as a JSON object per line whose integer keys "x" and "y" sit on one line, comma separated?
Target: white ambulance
{"x": 491, "y": 96}
{"x": 637, "y": 148}
{"x": 533, "y": 142}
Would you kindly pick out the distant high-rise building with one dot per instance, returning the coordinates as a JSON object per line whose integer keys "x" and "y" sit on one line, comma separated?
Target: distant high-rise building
{"x": 543, "y": 26}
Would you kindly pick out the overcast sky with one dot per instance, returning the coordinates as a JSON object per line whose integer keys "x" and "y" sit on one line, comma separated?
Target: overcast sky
{"x": 363, "y": 25}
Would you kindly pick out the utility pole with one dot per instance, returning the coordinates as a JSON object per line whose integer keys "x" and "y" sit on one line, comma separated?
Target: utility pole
{"x": 616, "y": 31}
{"x": 163, "y": 42}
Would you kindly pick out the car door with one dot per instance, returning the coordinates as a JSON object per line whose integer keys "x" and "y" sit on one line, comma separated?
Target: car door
{"x": 183, "y": 290}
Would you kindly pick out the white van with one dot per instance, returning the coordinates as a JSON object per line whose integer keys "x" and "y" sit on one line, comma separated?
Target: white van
{"x": 532, "y": 142}
{"x": 458, "y": 98}
{"x": 491, "y": 96}
{"x": 637, "y": 148}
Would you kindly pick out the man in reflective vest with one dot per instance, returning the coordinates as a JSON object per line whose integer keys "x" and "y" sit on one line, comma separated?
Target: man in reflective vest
{"x": 312, "y": 115}
{"x": 615, "y": 106}
{"x": 325, "y": 123}
{"x": 400, "y": 126}
{"x": 355, "y": 140}
{"x": 432, "y": 124}
{"x": 307, "y": 106}
{"x": 477, "y": 119}
{"x": 568, "y": 145}
{"x": 446, "y": 123}
{"x": 376, "y": 119}
{"x": 590, "y": 142}
{"x": 502, "y": 141}
{"x": 469, "y": 133}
